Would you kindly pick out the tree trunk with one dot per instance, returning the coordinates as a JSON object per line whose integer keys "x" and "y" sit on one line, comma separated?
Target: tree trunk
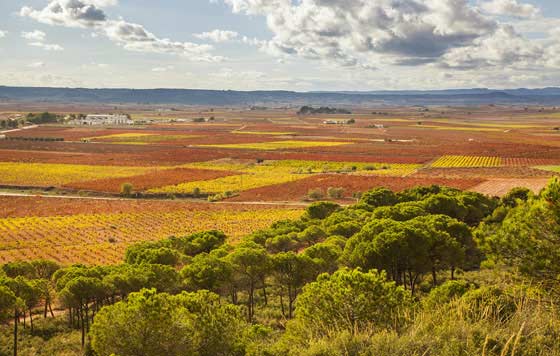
{"x": 46, "y": 309}
{"x": 414, "y": 280}
{"x": 282, "y": 305}
{"x": 434, "y": 276}
{"x": 453, "y": 273}
{"x": 81, "y": 318}
{"x": 265, "y": 295}
{"x": 250, "y": 301}
{"x": 87, "y": 316}
{"x": 31, "y": 320}
{"x": 292, "y": 296}
{"x": 233, "y": 295}
{"x": 16, "y": 321}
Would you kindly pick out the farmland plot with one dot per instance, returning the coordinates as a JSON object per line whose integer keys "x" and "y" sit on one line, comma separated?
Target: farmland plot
{"x": 500, "y": 187}
{"x": 102, "y": 238}
{"x": 279, "y": 145}
{"x": 42, "y": 174}
{"x": 252, "y": 176}
{"x": 466, "y": 162}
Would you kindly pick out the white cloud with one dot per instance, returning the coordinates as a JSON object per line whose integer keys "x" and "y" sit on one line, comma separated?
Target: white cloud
{"x": 38, "y": 36}
{"x": 365, "y": 34}
{"x": 104, "y": 3}
{"x": 217, "y": 36}
{"x": 163, "y": 69}
{"x": 3, "y": 34}
{"x": 37, "y": 39}
{"x": 130, "y": 36}
{"x": 36, "y": 65}
{"x": 539, "y": 24}
{"x": 503, "y": 48}
{"x": 350, "y": 31}
{"x": 69, "y": 13}
{"x": 47, "y": 46}
{"x": 509, "y": 8}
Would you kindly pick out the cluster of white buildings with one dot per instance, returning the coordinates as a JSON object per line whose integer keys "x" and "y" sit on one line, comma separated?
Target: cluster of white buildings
{"x": 105, "y": 119}
{"x": 337, "y": 122}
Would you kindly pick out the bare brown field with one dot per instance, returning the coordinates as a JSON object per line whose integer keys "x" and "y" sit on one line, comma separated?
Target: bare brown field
{"x": 482, "y": 173}
{"x": 501, "y": 186}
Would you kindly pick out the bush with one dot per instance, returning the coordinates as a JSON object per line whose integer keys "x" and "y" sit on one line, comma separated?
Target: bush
{"x": 487, "y": 303}
{"x": 447, "y": 292}
{"x": 321, "y": 210}
{"x": 350, "y": 300}
{"x": 315, "y": 194}
{"x": 152, "y": 324}
{"x": 335, "y": 193}
{"x": 379, "y": 197}
{"x": 127, "y": 189}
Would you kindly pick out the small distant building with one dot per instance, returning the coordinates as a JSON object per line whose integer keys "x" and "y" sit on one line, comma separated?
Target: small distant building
{"x": 338, "y": 122}
{"x": 379, "y": 126}
{"x": 2, "y": 137}
{"x": 94, "y": 120}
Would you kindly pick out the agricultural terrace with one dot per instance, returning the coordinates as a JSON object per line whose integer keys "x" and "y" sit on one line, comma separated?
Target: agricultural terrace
{"x": 102, "y": 237}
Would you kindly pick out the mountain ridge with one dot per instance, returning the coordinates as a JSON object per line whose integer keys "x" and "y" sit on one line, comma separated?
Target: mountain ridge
{"x": 162, "y": 96}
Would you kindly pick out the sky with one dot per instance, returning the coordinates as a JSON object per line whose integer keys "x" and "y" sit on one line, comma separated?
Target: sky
{"x": 300, "y": 45}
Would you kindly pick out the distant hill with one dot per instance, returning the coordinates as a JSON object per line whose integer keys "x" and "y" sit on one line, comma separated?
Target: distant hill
{"x": 545, "y": 96}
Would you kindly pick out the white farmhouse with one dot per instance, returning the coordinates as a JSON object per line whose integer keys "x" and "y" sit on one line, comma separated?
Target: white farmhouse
{"x": 93, "y": 120}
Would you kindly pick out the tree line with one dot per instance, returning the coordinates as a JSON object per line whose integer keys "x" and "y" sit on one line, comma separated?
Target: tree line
{"x": 336, "y": 278}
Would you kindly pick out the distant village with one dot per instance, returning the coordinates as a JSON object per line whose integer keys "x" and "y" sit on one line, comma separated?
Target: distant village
{"x": 105, "y": 119}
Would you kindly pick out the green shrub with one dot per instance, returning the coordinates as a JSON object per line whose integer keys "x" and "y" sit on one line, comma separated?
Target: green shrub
{"x": 335, "y": 193}
{"x": 127, "y": 189}
{"x": 315, "y": 194}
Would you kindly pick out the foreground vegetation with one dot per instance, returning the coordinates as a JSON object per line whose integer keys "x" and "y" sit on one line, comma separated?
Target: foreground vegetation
{"x": 428, "y": 271}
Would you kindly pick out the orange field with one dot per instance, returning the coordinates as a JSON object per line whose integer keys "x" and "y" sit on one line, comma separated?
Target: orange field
{"x": 94, "y": 232}
{"x": 152, "y": 179}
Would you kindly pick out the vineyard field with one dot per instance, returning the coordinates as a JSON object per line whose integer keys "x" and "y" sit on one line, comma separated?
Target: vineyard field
{"x": 152, "y": 179}
{"x": 279, "y": 145}
{"x": 298, "y": 190}
{"x": 41, "y": 174}
{"x": 555, "y": 169}
{"x": 139, "y": 138}
{"x": 254, "y": 176}
{"x": 263, "y": 157}
{"x": 101, "y": 238}
{"x": 466, "y": 161}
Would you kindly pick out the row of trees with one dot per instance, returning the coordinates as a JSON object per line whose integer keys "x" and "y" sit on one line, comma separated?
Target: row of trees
{"x": 11, "y": 123}
{"x": 43, "y": 118}
{"x": 355, "y": 269}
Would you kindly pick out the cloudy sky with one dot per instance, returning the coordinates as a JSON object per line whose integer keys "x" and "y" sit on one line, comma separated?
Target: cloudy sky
{"x": 280, "y": 44}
